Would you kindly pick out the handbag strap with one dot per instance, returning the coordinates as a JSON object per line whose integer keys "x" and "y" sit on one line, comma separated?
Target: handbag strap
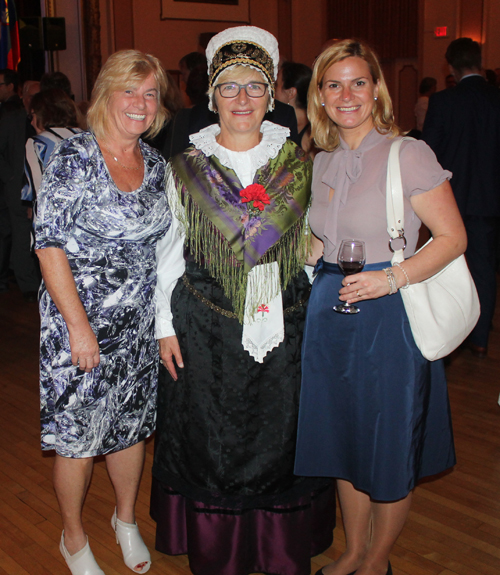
{"x": 395, "y": 200}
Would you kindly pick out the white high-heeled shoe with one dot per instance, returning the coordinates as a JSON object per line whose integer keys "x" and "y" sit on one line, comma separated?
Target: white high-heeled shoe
{"x": 82, "y": 562}
{"x": 133, "y": 547}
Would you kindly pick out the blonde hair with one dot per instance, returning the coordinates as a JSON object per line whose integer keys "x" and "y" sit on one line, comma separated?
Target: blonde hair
{"x": 234, "y": 74}
{"x": 323, "y": 130}
{"x": 122, "y": 69}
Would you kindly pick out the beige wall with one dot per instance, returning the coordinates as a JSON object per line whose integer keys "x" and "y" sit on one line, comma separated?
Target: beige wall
{"x": 169, "y": 40}
{"x": 491, "y": 35}
{"x": 172, "y": 39}
{"x": 441, "y": 13}
{"x": 71, "y": 61}
{"x": 309, "y": 29}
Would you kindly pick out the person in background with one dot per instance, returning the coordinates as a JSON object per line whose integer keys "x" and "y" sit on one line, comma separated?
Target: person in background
{"x": 231, "y": 305}
{"x": 56, "y": 80}
{"x": 173, "y": 102}
{"x": 427, "y": 87}
{"x": 491, "y": 77}
{"x": 15, "y": 227}
{"x": 374, "y": 413}
{"x": 291, "y": 88}
{"x": 497, "y": 75}
{"x": 30, "y": 88}
{"x": 101, "y": 209}
{"x": 190, "y": 62}
{"x": 197, "y": 84}
{"x": 463, "y": 128}
{"x": 9, "y": 86}
{"x": 450, "y": 81}
{"x": 173, "y": 98}
{"x": 55, "y": 118}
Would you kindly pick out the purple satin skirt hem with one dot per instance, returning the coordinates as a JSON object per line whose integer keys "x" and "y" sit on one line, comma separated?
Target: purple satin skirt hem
{"x": 278, "y": 540}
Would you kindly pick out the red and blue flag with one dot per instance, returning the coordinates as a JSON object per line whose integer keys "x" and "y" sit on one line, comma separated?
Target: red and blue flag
{"x": 10, "y": 51}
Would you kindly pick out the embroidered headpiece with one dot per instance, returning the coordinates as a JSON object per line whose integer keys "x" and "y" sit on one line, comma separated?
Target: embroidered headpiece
{"x": 247, "y": 46}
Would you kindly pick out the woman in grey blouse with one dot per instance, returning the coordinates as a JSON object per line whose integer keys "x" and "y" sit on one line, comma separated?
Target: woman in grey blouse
{"x": 374, "y": 413}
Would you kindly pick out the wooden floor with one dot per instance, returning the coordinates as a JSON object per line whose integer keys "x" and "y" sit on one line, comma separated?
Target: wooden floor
{"x": 454, "y": 525}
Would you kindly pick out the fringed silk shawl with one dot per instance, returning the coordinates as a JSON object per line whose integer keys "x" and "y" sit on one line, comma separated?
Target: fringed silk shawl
{"x": 230, "y": 237}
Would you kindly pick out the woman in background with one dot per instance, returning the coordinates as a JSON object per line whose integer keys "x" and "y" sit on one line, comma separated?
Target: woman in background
{"x": 54, "y": 116}
{"x": 427, "y": 87}
{"x": 292, "y": 86}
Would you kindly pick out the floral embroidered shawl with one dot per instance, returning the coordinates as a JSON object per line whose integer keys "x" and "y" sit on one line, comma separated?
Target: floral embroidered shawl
{"x": 228, "y": 237}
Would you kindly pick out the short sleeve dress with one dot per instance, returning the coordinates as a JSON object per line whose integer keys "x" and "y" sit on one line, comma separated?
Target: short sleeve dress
{"x": 109, "y": 238}
{"x": 373, "y": 410}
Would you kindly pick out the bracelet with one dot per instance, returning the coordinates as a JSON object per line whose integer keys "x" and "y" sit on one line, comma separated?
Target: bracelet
{"x": 393, "y": 287}
{"x": 406, "y": 275}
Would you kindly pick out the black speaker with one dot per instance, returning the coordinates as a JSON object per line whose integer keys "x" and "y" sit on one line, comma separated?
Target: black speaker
{"x": 30, "y": 33}
{"x": 54, "y": 34}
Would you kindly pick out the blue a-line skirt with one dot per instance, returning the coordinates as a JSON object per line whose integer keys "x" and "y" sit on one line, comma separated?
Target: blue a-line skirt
{"x": 373, "y": 410}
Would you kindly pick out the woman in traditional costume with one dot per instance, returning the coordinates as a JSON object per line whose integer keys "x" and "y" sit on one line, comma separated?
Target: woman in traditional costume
{"x": 231, "y": 303}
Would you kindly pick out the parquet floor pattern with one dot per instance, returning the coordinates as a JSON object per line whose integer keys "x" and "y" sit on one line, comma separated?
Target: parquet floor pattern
{"x": 453, "y": 528}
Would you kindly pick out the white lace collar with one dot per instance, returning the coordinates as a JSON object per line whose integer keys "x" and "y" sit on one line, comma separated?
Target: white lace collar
{"x": 273, "y": 138}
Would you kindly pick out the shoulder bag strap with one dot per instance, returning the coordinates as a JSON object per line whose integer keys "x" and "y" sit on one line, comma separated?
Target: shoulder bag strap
{"x": 395, "y": 201}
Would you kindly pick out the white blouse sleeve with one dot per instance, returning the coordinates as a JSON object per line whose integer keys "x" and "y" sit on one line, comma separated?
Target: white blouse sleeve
{"x": 170, "y": 265}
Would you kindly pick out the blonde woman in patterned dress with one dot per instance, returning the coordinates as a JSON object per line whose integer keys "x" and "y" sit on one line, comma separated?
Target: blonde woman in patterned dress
{"x": 101, "y": 209}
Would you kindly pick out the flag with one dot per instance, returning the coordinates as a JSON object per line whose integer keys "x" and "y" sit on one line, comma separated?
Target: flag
{"x": 10, "y": 51}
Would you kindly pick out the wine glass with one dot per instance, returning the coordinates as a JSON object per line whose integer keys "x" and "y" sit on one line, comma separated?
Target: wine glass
{"x": 351, "y": 259}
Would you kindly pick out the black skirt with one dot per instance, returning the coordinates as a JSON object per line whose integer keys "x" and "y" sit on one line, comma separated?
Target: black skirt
{"x": 226, "y": 430}
{"x": 224, "y": 491}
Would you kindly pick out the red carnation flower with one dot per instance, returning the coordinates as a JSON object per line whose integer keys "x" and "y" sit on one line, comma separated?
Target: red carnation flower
{"x": 257, "y": 194}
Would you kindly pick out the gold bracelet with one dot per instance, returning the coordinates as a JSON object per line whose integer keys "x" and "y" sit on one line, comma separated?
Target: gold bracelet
{"x": 406, "y": 275}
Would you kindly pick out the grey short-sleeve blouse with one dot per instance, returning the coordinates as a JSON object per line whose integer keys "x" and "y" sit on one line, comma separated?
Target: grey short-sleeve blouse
{"x": 357, "y": 208}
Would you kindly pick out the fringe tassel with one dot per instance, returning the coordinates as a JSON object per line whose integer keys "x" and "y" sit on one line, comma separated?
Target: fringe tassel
{"x": 209, "y": 248}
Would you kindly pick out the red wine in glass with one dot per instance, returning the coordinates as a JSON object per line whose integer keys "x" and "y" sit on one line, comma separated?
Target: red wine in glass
{"x": 351, "y": 259}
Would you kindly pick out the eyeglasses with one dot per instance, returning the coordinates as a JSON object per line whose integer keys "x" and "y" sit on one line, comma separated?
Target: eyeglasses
{"x": 231, "y": 90}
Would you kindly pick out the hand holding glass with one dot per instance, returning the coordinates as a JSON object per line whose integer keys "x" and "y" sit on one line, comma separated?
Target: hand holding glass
{"x": 351, "y": 259}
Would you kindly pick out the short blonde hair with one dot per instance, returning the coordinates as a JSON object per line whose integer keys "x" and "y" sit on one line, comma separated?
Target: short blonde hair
{"x": 120, "y": 70}
{"x": 234, "y": 74}
{"x": 323, "y": 130}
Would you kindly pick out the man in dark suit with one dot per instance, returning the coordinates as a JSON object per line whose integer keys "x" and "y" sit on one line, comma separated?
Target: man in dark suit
{"x": 462, "y": 126}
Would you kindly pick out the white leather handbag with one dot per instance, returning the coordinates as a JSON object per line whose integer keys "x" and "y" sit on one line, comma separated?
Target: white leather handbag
{"x": 443, "y": 309}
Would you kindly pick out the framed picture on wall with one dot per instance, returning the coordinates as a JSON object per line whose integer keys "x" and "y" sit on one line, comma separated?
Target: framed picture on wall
{"x": 219, "y": 10}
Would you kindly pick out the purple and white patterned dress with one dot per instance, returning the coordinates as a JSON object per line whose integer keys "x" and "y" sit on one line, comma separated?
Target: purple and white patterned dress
{"x": 109, "y": 238}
